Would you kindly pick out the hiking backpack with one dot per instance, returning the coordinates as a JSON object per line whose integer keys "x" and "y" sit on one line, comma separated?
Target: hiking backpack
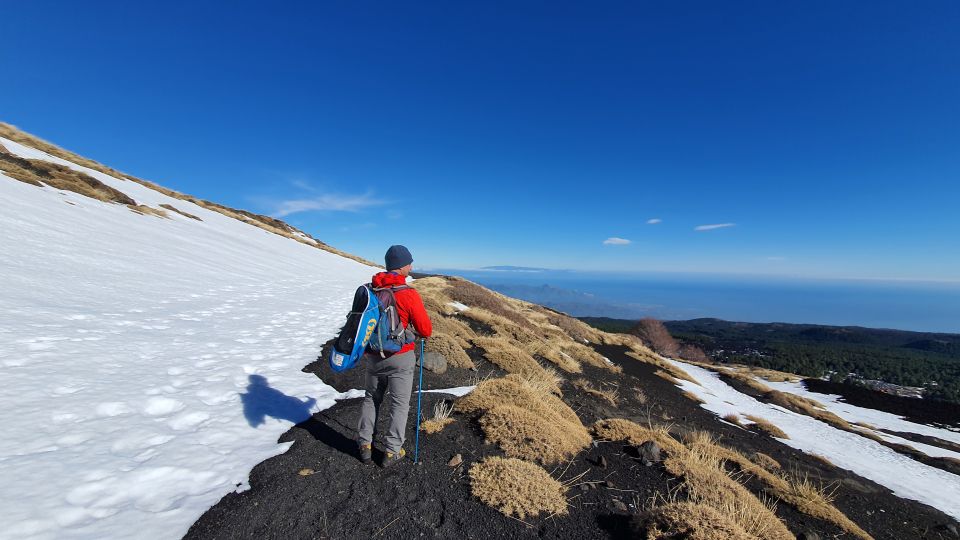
{"x": 372, "y": 322}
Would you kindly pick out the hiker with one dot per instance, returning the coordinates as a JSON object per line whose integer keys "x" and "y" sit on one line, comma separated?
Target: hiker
{"x": 391, "y": 375}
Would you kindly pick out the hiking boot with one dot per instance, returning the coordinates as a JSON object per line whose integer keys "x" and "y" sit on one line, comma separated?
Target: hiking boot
{"x": 366, "y": 453}
{"x": 389, "y": 458}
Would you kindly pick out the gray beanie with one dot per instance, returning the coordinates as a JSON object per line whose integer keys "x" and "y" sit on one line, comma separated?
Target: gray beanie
{"x": 398, "y": 257}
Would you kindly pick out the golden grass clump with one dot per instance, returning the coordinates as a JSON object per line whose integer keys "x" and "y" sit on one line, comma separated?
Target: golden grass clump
{"x": 620, "y": 429}
{"x": 575, "y": 328}
{"x": 692, "y": 397}
{"x": 441, "y": 417}
{"x": 453, "y": 327}
{"x": 766, "y": 461}
{"x": 587, "y": 355}
{"x": 441, "y": 343}
{"x": 517, "y": 488}
{"x": 506, "y": 355}
{"x": 39, "y": 173}
{"x": 732, "y": 418}
{"x": 181, "y": 212}
{"x": 814, "y": 499}
{"x": 767, "y": 427}
{"x": 689, "y": 521}
{"x": 707, "y": 482}
{"x": 802, "y": 494}
{"x": 475, "y": 296}
{"x": 666, "y": 368}
{"x": 549, "y": 352}
{"x": 609, "y": 395}
{"x": 526, "y": 420}
{"x": 145, "y": 210}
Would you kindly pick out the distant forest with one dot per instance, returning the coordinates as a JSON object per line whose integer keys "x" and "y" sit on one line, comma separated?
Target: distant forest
{"x": 929, "y": 360}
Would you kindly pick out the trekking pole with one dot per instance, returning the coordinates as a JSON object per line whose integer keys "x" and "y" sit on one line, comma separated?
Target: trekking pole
{"x": 416, "y": 447}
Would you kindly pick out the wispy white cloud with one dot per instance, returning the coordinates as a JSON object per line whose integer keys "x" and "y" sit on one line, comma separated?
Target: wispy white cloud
{"x": 614, "y": 241}
{"x": 654, "y": 221}
{"x": 713, "y": 226}
{"x": 327, "y": 203}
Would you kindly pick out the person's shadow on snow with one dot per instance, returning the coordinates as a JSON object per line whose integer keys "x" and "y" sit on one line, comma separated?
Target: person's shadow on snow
{"x": 261, "y": 401}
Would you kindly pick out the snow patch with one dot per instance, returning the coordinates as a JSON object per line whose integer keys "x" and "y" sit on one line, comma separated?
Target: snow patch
{"x": 903, "y": 475}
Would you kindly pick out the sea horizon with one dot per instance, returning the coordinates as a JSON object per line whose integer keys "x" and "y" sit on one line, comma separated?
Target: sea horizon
{"x": 911, "y": 305}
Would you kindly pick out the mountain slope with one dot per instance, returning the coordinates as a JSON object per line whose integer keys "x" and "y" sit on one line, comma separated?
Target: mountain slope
{"x": 151, "y": 361}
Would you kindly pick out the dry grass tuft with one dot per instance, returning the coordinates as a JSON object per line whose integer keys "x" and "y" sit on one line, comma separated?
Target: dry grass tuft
{"x": 455, "y": 328}
{"x": 814, "y": 499}
{"x": 766, "y": 461}
{"x": 707, "y": 482}
{"x": 732, "y": 418}
{"x": 803, "y": 494}
{"x": 587, "y": 355}
{"x": 610, "y": 395}
{"x": 441, "y": 417}
{"x": 475, "y": 296}
{"x": 145, "y": 210}
{"x": 506, "y": 355}
{"x": 39, "y": 173}
{"x": 181, "y": 212}
{"x": 666, "y": 368}
{"x": 450, "y": 348}
{"x": 692, "y": 397}
{"x": 619, "y": 429}
{"x": 523, "y": 417}
{"x": 517, "y": 488}
{"x": 551, "y": 353}
{"x": 689, "y": 521}
{"x": 575, "y": 328}
{"x": 766, "y": 426}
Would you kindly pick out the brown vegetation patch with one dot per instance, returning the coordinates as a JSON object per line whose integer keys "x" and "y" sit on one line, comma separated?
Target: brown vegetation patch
{"x": 587, "y": 355}
{"x": 766, "y": 461}
{"x": 619, "y": 429}
{"x": 434, "y": 425}
{"x": 181, "y": 212}
{"x": 145, "y": 210}
{"x": 767, "y": 427}
{"x": 707, "y": 482}
{"x": 517, "y": 488}
{"x": 692, "y": 397}
{"x": 656, "y": 335}
{"x": 475, "y": 296}
{"x": 666, "y": 368}
{"x": 689, "y": 521}
{"x": 39, "y": 173}
{"x": 450, "y": 348}
{"x": 609, "y": 395}
{"x": 525, "y": 419}
{"x": 732, "y": 418}
{"x": 506, "y": 355}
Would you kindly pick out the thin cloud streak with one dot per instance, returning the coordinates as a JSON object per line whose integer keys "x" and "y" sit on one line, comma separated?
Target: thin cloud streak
{"x": 654, "y": 221}
{"x": 614, "y": 241}
{"x": 713, "y": 226}
{"x": 327, "y": 203}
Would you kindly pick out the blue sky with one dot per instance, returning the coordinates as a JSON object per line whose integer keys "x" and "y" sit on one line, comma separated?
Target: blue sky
{"x": 528, "y": 133}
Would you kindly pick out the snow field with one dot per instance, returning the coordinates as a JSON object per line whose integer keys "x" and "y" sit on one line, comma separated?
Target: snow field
{"x": 903, "y": 475}
{"x": 149, "y": 363}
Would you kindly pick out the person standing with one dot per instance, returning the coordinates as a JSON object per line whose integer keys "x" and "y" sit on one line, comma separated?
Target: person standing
{"x": 390, "y": 378}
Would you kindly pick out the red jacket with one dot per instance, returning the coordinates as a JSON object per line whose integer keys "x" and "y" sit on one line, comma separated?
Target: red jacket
{"x": 409, "y": 306}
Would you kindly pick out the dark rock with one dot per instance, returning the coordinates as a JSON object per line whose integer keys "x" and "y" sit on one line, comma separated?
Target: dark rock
{"x": 600, "y": 462}
{"x": 619, "y": 506}
{"x": 808, "y": 535}
{"x": 650, "y": 451}
{"x": 434, "y": 362}
{"x": 608, "y": 484}
{"x": 952, "y": 529}
{"x": 455, "y": 460}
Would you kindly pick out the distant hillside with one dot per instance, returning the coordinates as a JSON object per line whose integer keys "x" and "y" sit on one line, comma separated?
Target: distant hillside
{"x": 922, "y": 359}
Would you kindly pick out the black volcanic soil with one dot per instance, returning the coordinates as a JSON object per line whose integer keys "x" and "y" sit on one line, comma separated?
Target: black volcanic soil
{"x": 345, "y": 499}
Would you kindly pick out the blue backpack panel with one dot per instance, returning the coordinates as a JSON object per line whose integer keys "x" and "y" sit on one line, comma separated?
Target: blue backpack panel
{"x": 361, "y": 323}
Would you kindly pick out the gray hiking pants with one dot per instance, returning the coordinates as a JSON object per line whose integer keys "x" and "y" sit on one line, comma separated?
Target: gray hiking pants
{"x": 391, "y": 378}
